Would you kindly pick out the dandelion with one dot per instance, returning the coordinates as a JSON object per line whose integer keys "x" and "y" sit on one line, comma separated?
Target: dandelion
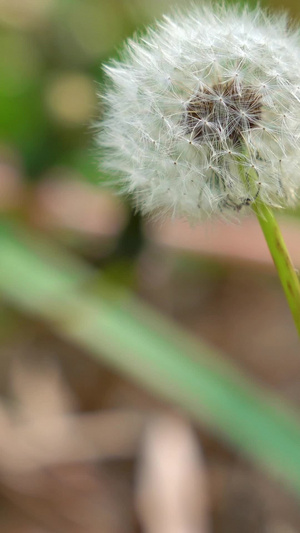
{"x": 203, "y": 118}
{"x": 203, "y": 114}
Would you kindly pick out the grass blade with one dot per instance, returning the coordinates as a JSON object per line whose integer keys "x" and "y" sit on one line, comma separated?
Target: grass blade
{"x": 141, "y": 344}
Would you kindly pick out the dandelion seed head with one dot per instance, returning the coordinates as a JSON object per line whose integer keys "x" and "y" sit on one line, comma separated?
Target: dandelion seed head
{"x": 202, "y": 114}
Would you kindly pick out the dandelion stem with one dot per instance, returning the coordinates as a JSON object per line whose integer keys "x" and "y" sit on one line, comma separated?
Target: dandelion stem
{"x": 281, "y": 258}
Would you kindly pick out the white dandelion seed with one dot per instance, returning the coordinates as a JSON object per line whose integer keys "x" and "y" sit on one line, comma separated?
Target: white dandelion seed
{"x": 203, "y": 114}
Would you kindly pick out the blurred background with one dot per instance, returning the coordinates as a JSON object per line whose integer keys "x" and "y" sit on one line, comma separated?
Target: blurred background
{"x": 82, "y": 449}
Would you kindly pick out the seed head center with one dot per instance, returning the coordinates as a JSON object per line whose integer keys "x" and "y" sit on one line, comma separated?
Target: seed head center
{"x": 224, "y": 111}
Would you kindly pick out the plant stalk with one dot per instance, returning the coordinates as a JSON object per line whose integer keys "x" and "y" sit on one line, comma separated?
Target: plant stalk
{"x": 281, "y": 258}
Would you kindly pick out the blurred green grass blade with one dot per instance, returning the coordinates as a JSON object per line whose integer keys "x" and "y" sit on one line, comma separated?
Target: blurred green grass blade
{"x": 149, "y": 349}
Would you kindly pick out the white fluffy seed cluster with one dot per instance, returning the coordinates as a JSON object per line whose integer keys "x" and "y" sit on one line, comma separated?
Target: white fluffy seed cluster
{"x": 202, "y": 115}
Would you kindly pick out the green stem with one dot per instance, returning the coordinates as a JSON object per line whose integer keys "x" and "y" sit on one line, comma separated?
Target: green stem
{"x": 281, "y": 258}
